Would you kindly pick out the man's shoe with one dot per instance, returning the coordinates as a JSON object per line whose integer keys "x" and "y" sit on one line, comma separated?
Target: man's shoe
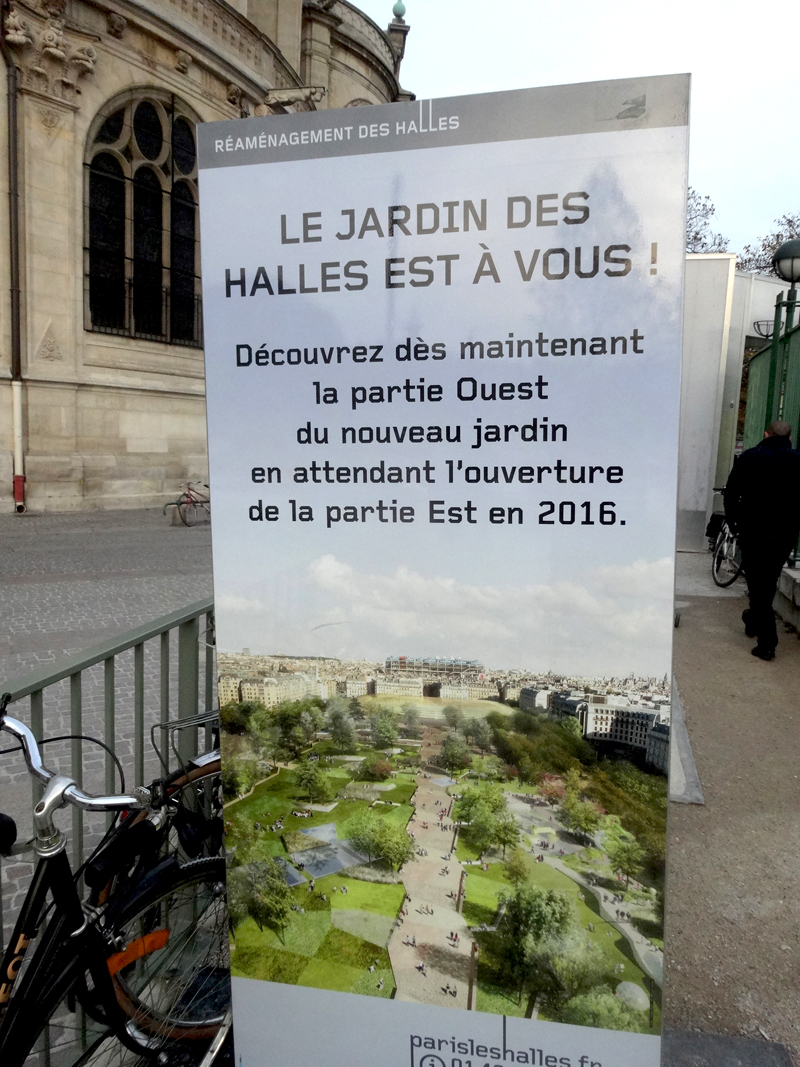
{"x": 748, "y": 631}
{"x": 763, "y": 653}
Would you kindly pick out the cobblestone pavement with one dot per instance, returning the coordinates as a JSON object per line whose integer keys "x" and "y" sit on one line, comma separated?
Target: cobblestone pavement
{"x": 68, "y": 582}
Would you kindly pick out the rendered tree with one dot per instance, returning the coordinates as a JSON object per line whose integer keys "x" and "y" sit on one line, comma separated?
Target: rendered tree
{"x": 572, "y": 782}
{"x": 551, "y": 791}
{"x": 486, "y": 766}
{"x": 393, "y": 845}
{"x": 266, "y": 735}
{"x": 272, "y": 898}
{"x": 481, "y": 734}
{"x": 454, "y": 752}
{"x": 482, "y": 827}
{"x": 234, "y": 718}
{"x": 242, "y": 838}
{"x": 506, "y": 831}
{"x": 577, "y": 964}
{"x": 580, "y": 815}
{"x": 380, "y": 770}
{"x": 534, "y": 917}
{"x": 411, "y": 717}
{"x": 572, "y": 726}
{"x": 518, "y": 867}
{"x": 699, "y": 236}
{"x": 239, "y": 898}
{"x": 355, "y": 709}
{"x": 453, "y": 716}
{"x": 230, "y": 778}
{"x": 343, "y": 733}
{"x": 246, "y": 774}
{"x": 311, "y": 720}
{"x": 488, "y": 795}
{"x": 601, "y": 1009}
{"x": 626, "y": 857}
{"x": 363, "y": 832}
{"x": 309, "y": 777}
{"x": 384, "y": 728}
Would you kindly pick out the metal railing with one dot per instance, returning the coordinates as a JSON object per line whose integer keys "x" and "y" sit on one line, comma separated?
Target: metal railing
{"x": 773, "y": 382}
{"x": 182, "y": 687}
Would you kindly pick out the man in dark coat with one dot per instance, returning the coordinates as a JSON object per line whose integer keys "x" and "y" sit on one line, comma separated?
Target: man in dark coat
{"x": 762, "y": 506}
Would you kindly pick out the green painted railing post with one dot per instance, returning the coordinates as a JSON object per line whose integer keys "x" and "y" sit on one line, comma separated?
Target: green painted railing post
{"x": 188, "y": 684}
{"x": 76, "y": 759}
{"x": 775, "y": 366}
{"x": 138, "y": 713}
{"x": 37, "y": 725}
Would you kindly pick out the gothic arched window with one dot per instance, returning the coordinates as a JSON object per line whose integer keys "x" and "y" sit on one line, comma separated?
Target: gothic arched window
{"x": 142, "y": 260}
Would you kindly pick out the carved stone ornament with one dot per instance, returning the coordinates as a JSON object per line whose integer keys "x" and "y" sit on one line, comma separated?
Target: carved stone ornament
{"x": 51, "y": 62}
{"x": 304, "y": 94}
{"x": 54, "y": 8}
{"x": 50, "y": 120}
{"x": 182, "y": 61}
{"x": 116, "y": 24}
{"x": 234, "y": 94}
{"x": 52, "y": 39}
{"x": 18, "y": 31}
{"x": 48, "y": 351}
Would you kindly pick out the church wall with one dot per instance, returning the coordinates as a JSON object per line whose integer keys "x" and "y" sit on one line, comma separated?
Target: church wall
{"x": 112, "y": 421}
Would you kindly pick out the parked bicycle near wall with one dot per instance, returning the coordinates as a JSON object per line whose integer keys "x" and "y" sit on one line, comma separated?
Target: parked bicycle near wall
{"x": 139, "y": 970}
{"x": 726, "y": 561}
{"x": 196, "y": 497}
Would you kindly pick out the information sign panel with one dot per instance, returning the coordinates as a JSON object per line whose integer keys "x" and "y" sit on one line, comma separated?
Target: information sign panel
{"x": 442, "y": 358}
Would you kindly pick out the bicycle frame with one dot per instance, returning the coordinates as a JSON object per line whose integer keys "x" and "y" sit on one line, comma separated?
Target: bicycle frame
{"x": 74, "y": 943}
{"x": 50, "y": 873}
{"x": 70, "y": 947}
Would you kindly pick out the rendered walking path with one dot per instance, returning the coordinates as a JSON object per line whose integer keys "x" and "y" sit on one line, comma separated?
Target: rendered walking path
{"x": 426, "y": 885}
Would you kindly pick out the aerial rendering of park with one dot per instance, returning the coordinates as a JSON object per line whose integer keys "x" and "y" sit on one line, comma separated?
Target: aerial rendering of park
{"x": 484, "y": 858}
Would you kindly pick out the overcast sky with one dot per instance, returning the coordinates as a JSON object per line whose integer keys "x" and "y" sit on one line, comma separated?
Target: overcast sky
{"x": 739, "y": 55}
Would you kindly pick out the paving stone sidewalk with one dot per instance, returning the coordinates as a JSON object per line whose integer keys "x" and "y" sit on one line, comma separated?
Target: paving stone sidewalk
{"x": 68, "y": 582}
{"x": 732, "y": 962}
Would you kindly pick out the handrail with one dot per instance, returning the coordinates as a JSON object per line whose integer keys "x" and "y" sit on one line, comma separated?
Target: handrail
{"x": 70, "y": 665}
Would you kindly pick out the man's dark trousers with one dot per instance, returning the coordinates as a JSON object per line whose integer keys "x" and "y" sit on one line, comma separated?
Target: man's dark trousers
{"x": 763, "y": 559}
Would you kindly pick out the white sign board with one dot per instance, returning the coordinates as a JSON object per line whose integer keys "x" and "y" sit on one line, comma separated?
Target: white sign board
{"x": 442, "y": 361}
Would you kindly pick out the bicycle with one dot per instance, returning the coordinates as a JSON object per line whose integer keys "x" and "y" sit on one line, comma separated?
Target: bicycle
{"x": 140, "y": 969}
{"x": 189, "y": 501}
{"x": 726, "y": 562}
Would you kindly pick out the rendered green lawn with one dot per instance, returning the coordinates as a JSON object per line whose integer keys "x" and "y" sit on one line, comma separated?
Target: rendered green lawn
{"x": 315, "y": 953}
{"x": 311, "y": 951}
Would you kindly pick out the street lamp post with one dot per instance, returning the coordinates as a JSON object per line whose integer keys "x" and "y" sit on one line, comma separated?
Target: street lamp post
{"x": 786, "y": 264}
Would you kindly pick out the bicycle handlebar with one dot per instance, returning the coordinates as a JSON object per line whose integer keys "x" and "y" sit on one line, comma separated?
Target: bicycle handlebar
{"x": 71, "y": 793}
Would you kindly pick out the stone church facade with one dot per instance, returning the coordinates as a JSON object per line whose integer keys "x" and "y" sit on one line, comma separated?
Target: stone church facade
{"x": 101, "y": 360}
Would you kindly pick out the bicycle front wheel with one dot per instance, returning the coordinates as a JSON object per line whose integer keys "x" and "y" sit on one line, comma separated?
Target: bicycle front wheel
{"x": 188, "y": 513}
{"x": 726, "y": 564}
{"x": 170, "y": 976}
